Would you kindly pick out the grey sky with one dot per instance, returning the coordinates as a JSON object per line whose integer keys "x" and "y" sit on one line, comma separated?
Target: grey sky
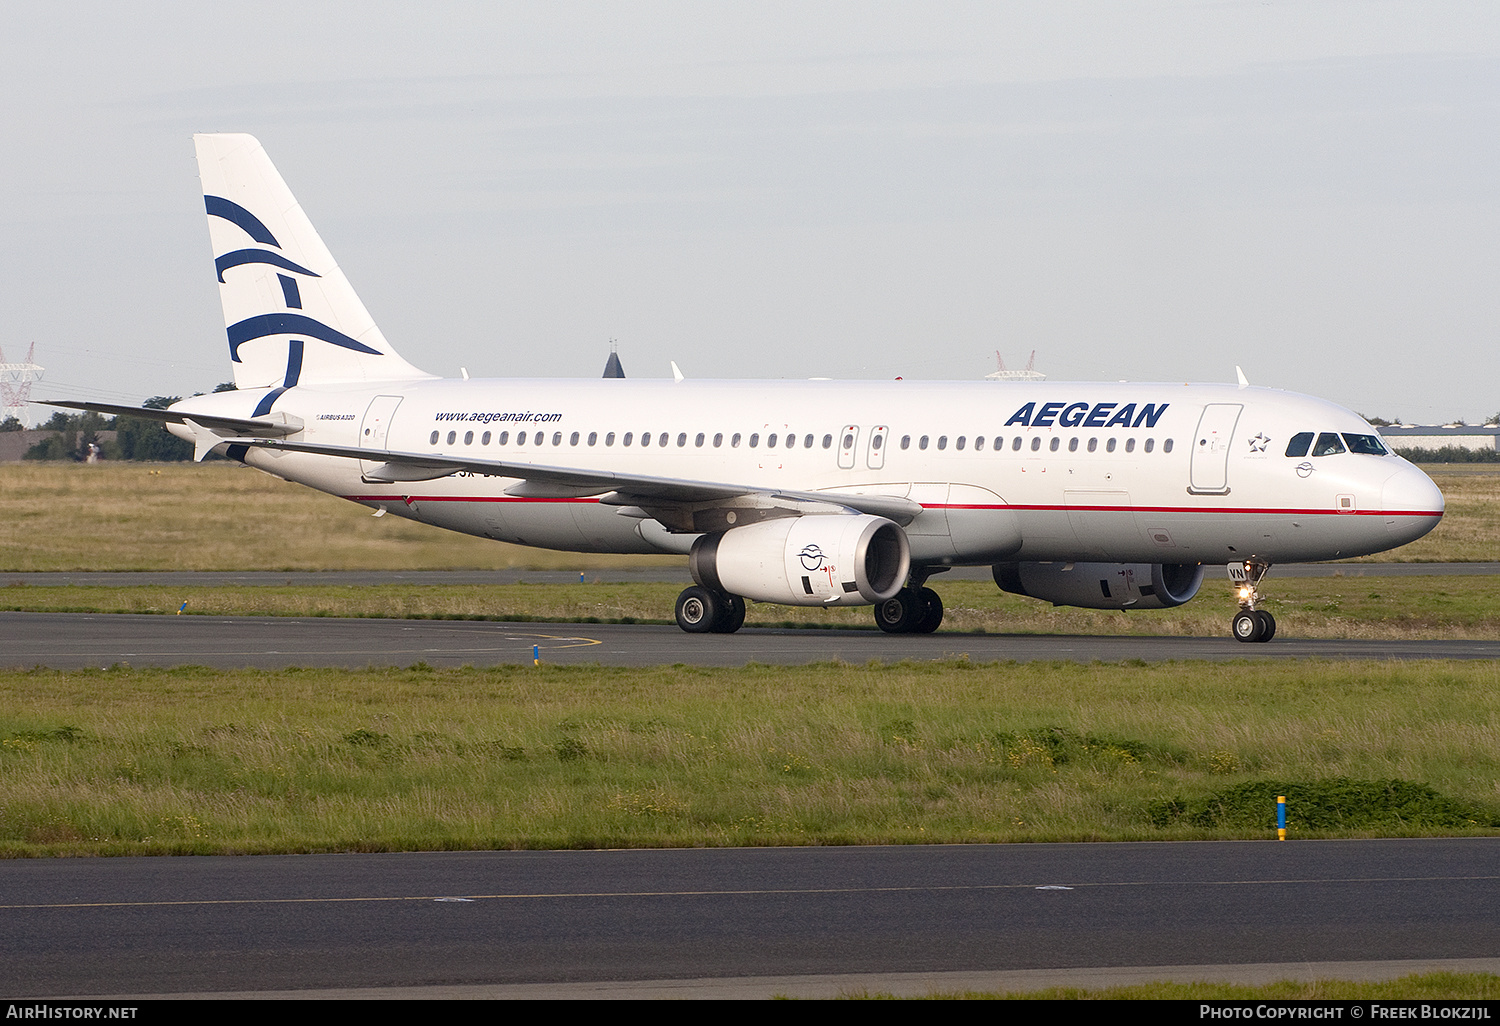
{"x": 1154, "y": 191}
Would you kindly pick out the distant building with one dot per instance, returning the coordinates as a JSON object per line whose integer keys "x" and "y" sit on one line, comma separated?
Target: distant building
{"x": 1437, "y": 436}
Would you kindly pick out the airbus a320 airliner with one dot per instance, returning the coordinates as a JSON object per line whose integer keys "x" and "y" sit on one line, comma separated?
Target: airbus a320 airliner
{"x": 812, "y": 493}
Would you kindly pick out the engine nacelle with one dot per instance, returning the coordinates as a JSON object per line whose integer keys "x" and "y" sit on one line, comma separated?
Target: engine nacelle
{"x": 817, "y": 560}
{"x": 1103, "y": 585}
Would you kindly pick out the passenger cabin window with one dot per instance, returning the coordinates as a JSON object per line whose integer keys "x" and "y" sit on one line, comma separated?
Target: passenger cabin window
{"x": 433, "y": 439}
{"x": 1015, "y": 446}
{"x": 1166, "y": 446}
{"x": 922, "y": 442}
{"x": 807, "y": 442}
{"x": 504, "y": 437}
{"x": 828, "y": 441}
{"x": 484, "y": 439}
{"x": 609, "y": 439}
{"x": 1036, "y": 443}
{"x": 1299, "y": 444}
{"x": 451, "y": 436}
{"x": 593, "y": 437}
{"x": 1328, "y": 444}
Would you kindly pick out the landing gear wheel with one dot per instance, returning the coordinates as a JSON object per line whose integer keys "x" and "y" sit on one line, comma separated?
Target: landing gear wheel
{"x": 1248, "y": 625}
{"x": 932, "y": 615}
{"x": 731, "y": 614}
{"x": 900, "y": 613}
{"x": 698, "y": 609}
{"x": 1268, "y": 625}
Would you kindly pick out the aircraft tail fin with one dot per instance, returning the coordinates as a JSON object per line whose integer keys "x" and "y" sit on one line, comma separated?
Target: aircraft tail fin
{"x": 290, "y": 314}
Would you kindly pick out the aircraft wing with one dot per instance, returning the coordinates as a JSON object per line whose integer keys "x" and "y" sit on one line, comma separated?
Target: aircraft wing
{"x": 680, "y": 504}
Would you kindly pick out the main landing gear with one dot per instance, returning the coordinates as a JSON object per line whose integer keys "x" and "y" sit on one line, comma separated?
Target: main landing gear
{"x": 705, "y": 611}
{"x": 1251, "y": 624}
{"x": 914, "y": 609}
{"x": 910, "y": 611}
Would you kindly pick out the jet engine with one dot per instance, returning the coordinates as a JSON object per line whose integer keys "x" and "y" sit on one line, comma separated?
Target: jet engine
{"x": 1103, "y": 585}
{"x": 815, "y": 560}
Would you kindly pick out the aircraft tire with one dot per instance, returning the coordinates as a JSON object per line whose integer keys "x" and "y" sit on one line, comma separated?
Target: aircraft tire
{"x": 698, "y": 609}
{"x": 901, "y": 613}
{"x": 1248, "y": 626}
{"x": 1268, "y": 625}
{"x": 932, "y": 613}
{"x": 731, "y": 614}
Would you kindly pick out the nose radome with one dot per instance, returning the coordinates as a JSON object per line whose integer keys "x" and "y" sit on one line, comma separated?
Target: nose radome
{"x": 1412, "y": 503}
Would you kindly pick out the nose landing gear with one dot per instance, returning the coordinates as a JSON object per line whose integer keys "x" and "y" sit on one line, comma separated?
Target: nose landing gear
{"x": 1250, "y": 623}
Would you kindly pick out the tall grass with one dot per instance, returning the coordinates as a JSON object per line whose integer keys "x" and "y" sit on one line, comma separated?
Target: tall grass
{"x": 194, "y": 760}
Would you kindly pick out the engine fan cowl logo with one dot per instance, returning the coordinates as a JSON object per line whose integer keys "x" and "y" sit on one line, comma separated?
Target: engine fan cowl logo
{"x": 812, "y": 557}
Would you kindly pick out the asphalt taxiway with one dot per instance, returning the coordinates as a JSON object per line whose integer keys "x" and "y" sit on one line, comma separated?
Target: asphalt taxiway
{"x": 74, "y": 640}
{"x": 717, "y": 922}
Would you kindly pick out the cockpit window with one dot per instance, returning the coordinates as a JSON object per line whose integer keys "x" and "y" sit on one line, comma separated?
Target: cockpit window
{"x": 1369, "y": 445}
{"x": 1299, "y": 443}
{"x": 1328, "y": 444}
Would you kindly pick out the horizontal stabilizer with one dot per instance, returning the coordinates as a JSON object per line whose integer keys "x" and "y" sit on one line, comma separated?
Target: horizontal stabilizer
{"x": 275, "y": 425}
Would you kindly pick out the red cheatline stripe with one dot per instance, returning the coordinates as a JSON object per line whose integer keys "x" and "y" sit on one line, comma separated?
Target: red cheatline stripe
{"x": 1259, "y": 510}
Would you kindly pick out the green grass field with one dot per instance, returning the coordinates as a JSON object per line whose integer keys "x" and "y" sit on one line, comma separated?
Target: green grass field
{"x": 1425, "y": 987}
{"x": 1339, "y": 607}
{"x": 222, "y": 516}
{"x": 192, "y": 760}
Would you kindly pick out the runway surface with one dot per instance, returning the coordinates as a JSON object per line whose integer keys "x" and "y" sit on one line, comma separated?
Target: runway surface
{"x": 455, "y": 920}
{"x": 645, "y": 575}
{"x": 73, "y": 640}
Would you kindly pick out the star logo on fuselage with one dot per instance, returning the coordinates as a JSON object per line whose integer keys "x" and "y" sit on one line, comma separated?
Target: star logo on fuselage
{"x": 1259, "y": 443}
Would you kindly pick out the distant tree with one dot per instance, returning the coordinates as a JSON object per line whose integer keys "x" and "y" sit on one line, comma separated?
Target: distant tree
{"x": 11, "y": 424}
{"x": 226, "y": 386}
{"x": 1450, "y": 454}
{"x": 149, "y": 440}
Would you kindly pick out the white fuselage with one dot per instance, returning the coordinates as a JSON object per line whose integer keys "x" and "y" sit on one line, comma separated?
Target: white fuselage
{"x": 1156, "y": 473}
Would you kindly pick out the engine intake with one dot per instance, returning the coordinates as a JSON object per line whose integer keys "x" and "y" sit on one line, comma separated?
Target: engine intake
{"x": 818, "y": 560}
{"x": 1103, "y": 585}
